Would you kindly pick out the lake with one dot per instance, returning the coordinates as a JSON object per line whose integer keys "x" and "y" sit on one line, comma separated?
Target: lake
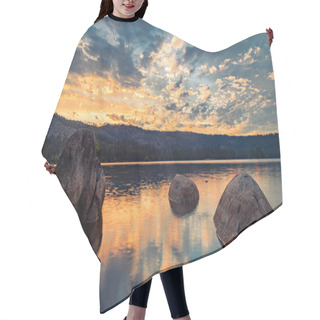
{"x": 152, "y": 237}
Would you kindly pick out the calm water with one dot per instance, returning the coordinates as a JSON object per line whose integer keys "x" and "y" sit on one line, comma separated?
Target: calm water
{"x": 152, "y": 237}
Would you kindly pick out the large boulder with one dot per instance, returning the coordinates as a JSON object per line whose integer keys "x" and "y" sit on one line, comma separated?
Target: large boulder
{"x": 82, "y": 178}
{"x": 241, "y": 204}
{"x": 183, "y": 194}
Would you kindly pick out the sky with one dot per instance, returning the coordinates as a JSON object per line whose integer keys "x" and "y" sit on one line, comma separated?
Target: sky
{"x": 134, "y": 73}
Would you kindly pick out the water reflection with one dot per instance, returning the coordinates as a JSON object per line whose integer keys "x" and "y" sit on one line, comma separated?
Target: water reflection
{"x": 141, "y": 234}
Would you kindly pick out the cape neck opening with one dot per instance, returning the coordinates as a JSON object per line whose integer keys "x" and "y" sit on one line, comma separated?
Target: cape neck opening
{"x": 113, "y": 17}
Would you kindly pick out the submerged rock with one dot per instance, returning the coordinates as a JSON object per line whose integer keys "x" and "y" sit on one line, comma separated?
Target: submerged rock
{"x": 83, "y": 180}
{"x": 241, "y": 204}
{"x": 183, "y": 194}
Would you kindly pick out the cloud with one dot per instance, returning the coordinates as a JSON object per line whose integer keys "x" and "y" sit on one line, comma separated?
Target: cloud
{"x": 158, "y": 81}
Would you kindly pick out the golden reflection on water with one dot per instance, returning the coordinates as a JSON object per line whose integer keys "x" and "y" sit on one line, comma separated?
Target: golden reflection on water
{"x": 142, "y": 235}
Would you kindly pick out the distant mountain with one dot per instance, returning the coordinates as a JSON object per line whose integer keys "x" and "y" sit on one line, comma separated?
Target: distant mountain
{"x": 130, "y": 143}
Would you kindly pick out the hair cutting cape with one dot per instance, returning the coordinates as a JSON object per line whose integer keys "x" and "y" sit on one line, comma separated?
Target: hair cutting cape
{"x": 167, "y": 152}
